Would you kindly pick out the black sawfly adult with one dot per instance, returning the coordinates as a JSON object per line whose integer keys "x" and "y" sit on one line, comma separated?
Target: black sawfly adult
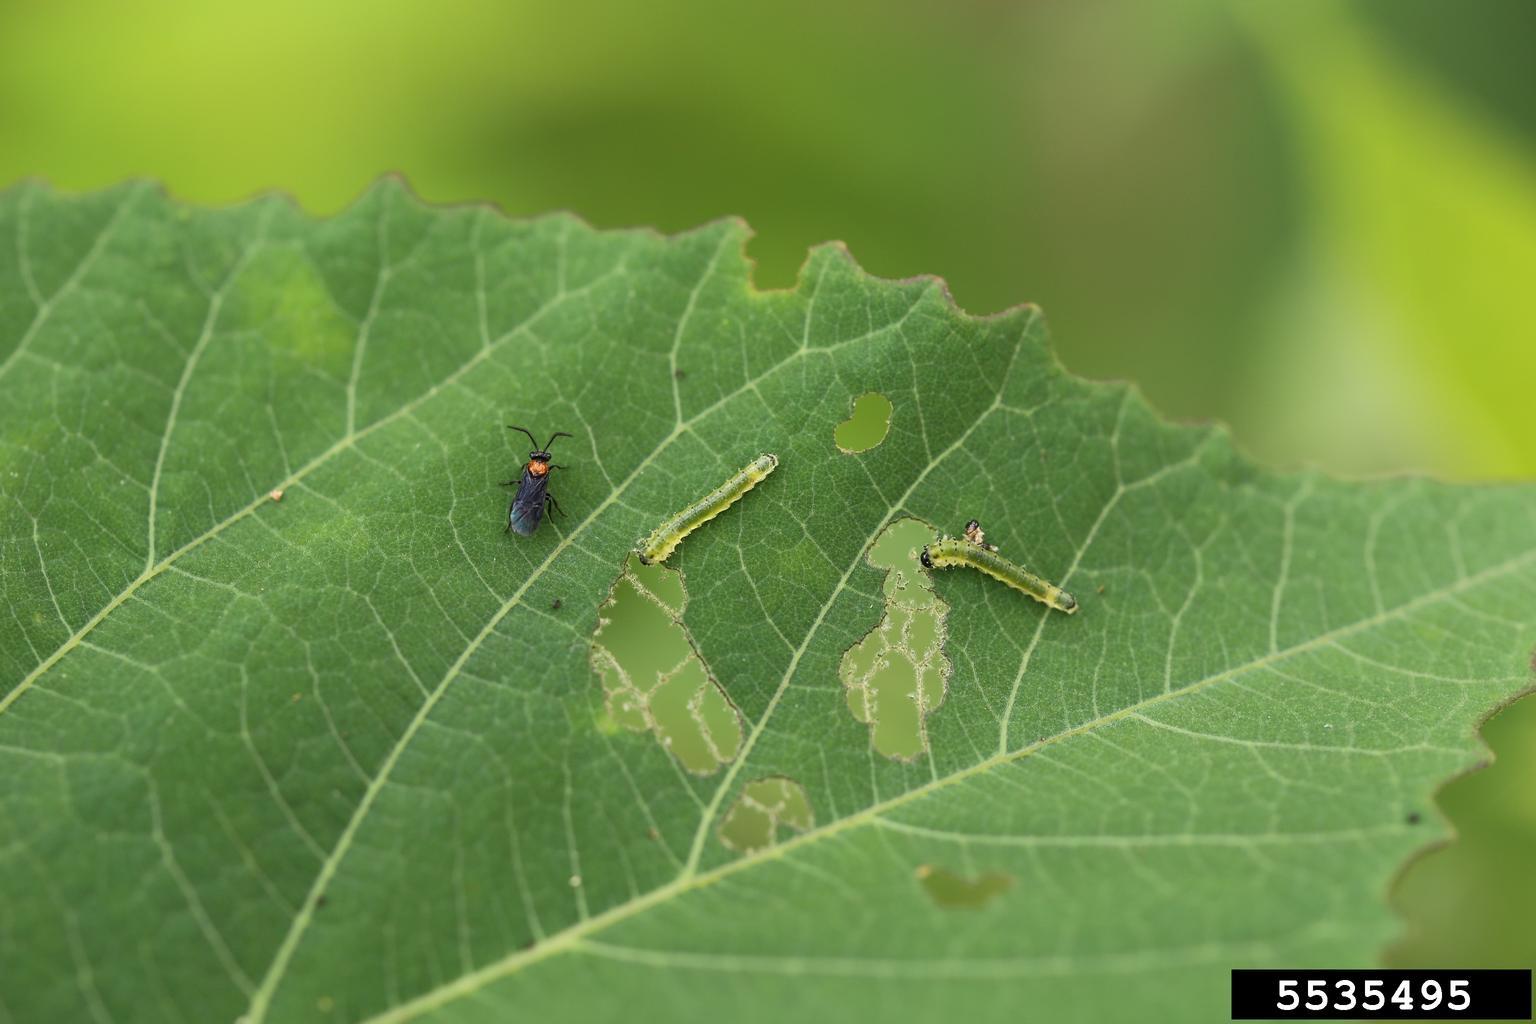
{"x": 527, "y": 507}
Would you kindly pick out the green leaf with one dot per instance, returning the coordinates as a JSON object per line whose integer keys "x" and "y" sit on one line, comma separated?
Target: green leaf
{"x": 346, "y": 755}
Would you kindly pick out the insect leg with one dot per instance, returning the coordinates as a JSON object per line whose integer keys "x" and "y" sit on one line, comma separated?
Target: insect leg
{"x": 549, "y": 499}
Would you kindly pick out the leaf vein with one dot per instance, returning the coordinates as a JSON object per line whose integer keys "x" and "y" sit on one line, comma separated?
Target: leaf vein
{"x": 574, "y": 938}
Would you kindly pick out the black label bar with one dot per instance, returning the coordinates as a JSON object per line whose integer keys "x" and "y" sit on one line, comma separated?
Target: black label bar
{"x": 1381, "y": 995}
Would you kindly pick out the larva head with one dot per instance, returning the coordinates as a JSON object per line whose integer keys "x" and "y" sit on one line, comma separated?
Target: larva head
{"x": 927, "y": 562}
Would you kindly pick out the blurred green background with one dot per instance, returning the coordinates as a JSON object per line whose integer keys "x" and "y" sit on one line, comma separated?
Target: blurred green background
{"x": 1314, "y": 220}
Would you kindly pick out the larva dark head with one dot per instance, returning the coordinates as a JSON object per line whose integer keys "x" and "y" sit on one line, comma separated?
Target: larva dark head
{"x": 927, "y": 562}
{"x": 973, "y": 526}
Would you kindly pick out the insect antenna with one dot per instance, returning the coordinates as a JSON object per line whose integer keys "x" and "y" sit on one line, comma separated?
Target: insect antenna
{"x": 558, "y": 433}
{"x": 531, "y": 439}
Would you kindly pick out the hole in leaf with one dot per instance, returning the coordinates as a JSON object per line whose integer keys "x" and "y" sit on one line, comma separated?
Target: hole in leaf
{"x": 953, "y": 891}
{"x": 763, "y": 807}
{"x": 867, "y": 426}
{"x": 897, "y": 675}
{"x": 653, "y": 678}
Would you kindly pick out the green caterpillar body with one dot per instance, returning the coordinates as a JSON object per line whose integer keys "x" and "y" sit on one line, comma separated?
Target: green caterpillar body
{"x": 666, "y": 537}
{"x": 948, "y": 552}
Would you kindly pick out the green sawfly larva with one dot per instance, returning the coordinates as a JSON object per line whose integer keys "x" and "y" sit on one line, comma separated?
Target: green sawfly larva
{"x": 949, "y": 551}
{"x": 666, "y": 537}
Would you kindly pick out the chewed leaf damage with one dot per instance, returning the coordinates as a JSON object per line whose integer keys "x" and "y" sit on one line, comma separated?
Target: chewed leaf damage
{"x": 898, "y": 674}
{"x": 652, "y": 676}
{"x": 764, "y": 807}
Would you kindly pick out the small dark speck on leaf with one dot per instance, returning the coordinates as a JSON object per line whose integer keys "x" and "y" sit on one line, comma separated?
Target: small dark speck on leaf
{"x": 651, "y": 833}
{"x": 555, "y": 604}
{"x": 679, "y": 374}
{"x": 321, "y": 900}
{"x": 1413, "y": 818}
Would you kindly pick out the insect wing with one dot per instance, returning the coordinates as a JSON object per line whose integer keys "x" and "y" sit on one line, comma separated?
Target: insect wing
{"x": 527, "y": 507}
